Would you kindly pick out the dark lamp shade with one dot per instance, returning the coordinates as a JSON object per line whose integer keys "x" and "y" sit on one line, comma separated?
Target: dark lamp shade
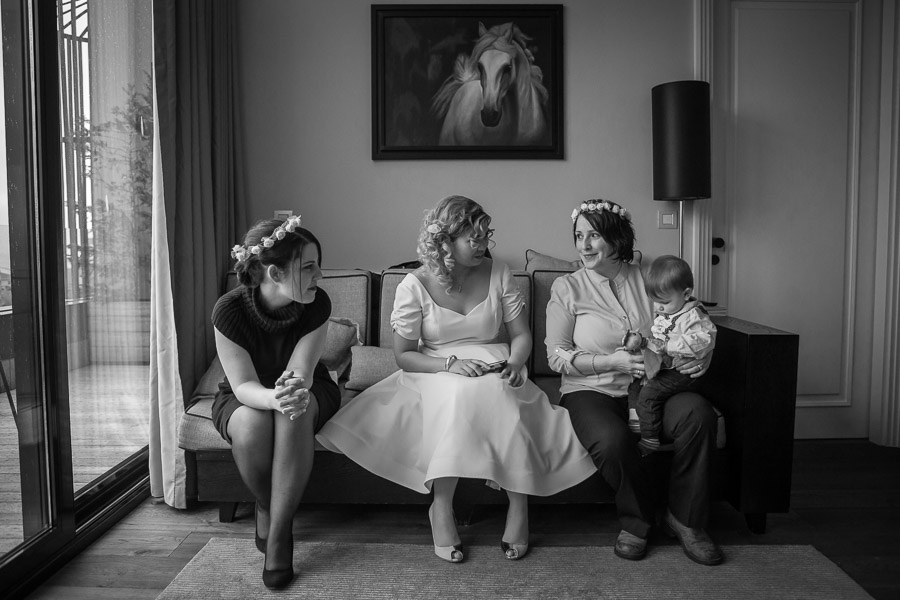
{"x": 681, "y": 145}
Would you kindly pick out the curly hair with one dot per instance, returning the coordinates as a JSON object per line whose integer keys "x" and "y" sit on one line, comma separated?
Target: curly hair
{"x": 615, "y": 230}
{"x": 252, "y": 270}
{"x": 452, "y": 217}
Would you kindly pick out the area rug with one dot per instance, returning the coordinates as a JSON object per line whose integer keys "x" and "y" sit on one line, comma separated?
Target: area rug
{"x": 231, "y": 568}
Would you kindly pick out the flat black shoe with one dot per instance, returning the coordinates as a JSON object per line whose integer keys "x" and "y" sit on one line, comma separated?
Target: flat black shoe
{"x": 278, "y": 578}
{"x": 260, "y": 542}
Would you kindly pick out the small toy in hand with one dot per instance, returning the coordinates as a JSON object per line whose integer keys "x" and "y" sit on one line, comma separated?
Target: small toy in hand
{"x": 634, "y": 342}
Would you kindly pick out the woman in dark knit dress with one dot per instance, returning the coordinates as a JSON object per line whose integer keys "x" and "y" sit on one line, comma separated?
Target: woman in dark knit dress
{"x": 270, "y": 332}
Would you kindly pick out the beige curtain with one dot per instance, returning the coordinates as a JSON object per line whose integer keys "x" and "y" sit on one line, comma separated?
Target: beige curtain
{"x": 167, "y": 470}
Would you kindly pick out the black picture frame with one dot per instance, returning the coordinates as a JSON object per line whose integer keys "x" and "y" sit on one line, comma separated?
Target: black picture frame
{"x": 416, "y": 49}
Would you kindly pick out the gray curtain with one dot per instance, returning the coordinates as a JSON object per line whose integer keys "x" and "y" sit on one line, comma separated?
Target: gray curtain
{"x": 201, "y": 164}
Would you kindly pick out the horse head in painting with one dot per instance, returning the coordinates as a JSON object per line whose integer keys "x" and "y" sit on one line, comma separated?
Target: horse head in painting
{"x": 495, "y": 95}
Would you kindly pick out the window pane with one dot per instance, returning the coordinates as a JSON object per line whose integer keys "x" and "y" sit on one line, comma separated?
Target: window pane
{"x": 24, "y": 474}
{"x": 107, "y": 125}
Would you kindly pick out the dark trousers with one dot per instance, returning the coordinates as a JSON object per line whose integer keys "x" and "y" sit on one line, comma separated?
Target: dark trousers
{"x": 648, "y": 399}
{"x": 689, "y": 422}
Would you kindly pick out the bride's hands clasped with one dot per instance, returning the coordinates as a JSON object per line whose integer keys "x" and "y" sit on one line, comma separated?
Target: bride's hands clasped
{"x": 473, "y": 367}
{"x": 291, "y": 398}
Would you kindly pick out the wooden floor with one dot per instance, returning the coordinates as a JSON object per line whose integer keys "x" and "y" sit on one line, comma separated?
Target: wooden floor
{"x": 109, "y": 421}
{"x": 845, "y": 503}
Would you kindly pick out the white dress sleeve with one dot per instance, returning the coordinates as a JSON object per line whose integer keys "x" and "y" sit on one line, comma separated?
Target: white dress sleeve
{"x": 511, "y": 298}
{"x": 406, "y": 318}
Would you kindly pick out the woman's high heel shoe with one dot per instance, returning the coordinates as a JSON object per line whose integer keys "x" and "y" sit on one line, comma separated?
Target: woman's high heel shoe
{"x": 278, "y": 578}
{"x": 452, "y": 553}
{"x": 514, "y": 551}
{"x": 260, "y": 542}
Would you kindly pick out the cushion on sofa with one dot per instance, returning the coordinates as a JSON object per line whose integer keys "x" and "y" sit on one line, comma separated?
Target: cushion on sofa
{"x": 350, "y": 291}
{"x": 342, "y": 334}
{"x": 369, "y": 365}
{"x": 209, "y": 383}
{"x": 535, "y": 260}
{"x": 196, "y": 430}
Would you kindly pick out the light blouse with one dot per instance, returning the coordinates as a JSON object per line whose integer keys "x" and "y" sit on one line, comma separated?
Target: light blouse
{"x": 584, "y": 314}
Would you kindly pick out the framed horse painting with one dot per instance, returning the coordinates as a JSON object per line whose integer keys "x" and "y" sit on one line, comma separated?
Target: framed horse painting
{"x": 467, "y": 81}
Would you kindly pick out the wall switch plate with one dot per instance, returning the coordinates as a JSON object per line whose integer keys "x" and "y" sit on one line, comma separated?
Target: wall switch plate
{"x": 283, "y": 214}
{"x": 667, "y": 219}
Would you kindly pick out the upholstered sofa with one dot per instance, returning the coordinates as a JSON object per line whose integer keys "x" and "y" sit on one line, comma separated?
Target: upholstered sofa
{"x": 751, "y": 383}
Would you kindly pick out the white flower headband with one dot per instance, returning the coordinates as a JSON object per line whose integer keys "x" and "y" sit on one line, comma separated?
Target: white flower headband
{"x": 600, "y": 207}
{"x": 291, "y": 224}
{"x": 433, "y": 229}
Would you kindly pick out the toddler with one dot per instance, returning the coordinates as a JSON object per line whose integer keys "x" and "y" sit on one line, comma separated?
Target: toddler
{"x": 681, "y": 329}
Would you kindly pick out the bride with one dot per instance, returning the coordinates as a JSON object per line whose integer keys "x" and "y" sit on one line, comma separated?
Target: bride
{"x": 462, "y": 404}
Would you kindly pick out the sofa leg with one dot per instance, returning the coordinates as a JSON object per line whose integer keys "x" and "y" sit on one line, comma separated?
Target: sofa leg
{"x": 756, "y": 522}
{"x": 227, "y": 511}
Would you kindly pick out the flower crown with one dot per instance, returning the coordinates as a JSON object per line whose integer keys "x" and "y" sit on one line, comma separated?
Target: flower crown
{"x": 600, "y": 206}
{"x": 291, "y": 224}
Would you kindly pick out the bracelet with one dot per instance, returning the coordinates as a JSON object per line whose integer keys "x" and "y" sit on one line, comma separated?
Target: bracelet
{"x": 450, "y": 360}
{"x": 593, "y": 368}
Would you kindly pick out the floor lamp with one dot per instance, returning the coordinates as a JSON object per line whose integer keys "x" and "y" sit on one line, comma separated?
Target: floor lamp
{"x": 681, "y": 145}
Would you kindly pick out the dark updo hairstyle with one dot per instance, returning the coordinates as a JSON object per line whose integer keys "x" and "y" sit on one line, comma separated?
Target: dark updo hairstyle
{"x": 668, "y": 274}
{"x": 615, "y": 230}
{"x": 252, "y": 270}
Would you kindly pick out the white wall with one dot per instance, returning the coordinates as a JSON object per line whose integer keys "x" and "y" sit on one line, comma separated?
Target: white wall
{"x": 304, "y": 72}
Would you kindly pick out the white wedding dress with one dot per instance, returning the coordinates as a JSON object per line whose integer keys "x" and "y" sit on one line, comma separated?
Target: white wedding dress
{"x": 412, "y": 428}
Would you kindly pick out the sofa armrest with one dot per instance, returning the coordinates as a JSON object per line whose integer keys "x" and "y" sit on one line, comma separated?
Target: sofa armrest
{"x": 753, "y": 380}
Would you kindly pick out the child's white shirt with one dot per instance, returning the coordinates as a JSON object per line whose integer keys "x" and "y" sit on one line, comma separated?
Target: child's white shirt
{"x": 689, "y": 333}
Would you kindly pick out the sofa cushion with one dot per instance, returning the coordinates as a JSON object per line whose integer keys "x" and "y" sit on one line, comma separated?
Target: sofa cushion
{"x": 350, "y": 291}
{"x": 342, "y": 334}
{"x": 369, "y": 365}
{"x": 209, "y": 383}
{"x": 196, "y": 430}
{"x": 534, "y": 260}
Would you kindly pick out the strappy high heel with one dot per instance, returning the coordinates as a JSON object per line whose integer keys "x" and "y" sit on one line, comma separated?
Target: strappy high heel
{"x": 452, "y": 553}
{"x": 514, "y": 551}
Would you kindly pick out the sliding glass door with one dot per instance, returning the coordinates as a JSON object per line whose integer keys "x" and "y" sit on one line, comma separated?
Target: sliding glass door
{"x": 75, "y": 214}
{"x": 28, "y": 425}
{"x": 107, "y": 150}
